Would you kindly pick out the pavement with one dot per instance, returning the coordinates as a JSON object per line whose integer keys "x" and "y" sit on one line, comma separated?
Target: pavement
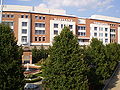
{"x": 114, "y": 83}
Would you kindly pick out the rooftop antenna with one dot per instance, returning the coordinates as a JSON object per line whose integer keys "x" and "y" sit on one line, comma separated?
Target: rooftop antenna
{"x": 1, "y": 11}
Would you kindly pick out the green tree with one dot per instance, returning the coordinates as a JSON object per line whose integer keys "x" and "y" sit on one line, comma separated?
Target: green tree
{"x": 102, "y": 60}
{"x": 38, "y": 54}
{"x": 65, "y": 68}
{"x": 11, "y": 73}
{"x": 96, "y": 59}
{"x": 112, "y": 56}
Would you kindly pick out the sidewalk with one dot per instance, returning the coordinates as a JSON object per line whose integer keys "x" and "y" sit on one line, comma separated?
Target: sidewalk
{"x": 115, "y": 81}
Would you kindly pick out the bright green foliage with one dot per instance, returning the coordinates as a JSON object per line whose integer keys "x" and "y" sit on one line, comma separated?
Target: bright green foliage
{"x": 11, "y": 74}
{"x": 38, "y": 54}
{"x": 65, "y": 68}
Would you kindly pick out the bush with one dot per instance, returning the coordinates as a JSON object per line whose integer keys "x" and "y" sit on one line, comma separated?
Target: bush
{"x": 38, "y": 54}
{"x": 33, "y": 80}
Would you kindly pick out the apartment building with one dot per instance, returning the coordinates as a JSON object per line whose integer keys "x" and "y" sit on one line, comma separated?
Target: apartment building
{"x": 34, "y": 26}
{"x": 104, "y": 28}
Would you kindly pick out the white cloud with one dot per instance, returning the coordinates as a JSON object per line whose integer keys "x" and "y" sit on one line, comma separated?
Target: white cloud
{"x": 81, "y": 5}
{"x": 102, "y": 3}
{"x": 106, "y": 8}
{"x": 42, "y": 5}
{"x": 67, "y": 3}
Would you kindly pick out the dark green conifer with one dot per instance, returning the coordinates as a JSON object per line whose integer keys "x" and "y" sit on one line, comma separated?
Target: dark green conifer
{"x": 11, "y": 73}
{"x": 65, "y": 68}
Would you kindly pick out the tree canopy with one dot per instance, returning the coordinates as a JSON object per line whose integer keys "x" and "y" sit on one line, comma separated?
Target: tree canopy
{"x": 102, "y": 60}
{"x": 65, "y": 68}
{"x": 11, "y": 73}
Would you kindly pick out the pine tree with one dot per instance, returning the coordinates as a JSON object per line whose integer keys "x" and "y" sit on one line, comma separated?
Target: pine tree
{"x": 11, "y": 73}
{"x": 112, "y": 56}
{"x": 96, "y": 59}
{"x": 65, "y": 68}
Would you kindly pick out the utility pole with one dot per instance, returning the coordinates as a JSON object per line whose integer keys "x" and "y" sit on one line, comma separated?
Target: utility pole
{"x": 1, "y": 10}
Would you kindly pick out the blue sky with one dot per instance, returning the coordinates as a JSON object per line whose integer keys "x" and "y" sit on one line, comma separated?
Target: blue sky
{"x": 81, "y": 8}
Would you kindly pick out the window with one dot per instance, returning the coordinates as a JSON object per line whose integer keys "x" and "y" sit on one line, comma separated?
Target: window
{"x": 12, "y": 16}
{"x": 95, "y": 34}
{"x": 112, "y": 35}
{"x": 36, "y": 25}
{"x": 8, "y": 16}
{"x": 106, "y": 34}
{"x": 35, "y": 38}
{"x": 9, "y": 23}
{"x": 24, "y": 38}
{"x": 24, "y": 31}
{"x": 42, "y": 25}
{"x": 43, "y": 18}
{"x": 26, "y": 16}
{"x": 101, "y": 34}
{"x": 40, "y": 17}
{"x": 39, "y": 32}
{"x": 26, "y": 61}
{"x": 55, "y": 32}
{"x": 36, "y": 17}
{"x": 24, "y": 23}
{"x": 71, "y": 26}
{"x": 22, "y": 16}
{"x": 81, "y": 33}
{"x": 95, "y": 28}
{"x": 80, "y": 40}
{"x": 81, "y": 28}
{"x": 3, "y": 15}
{"x": 100, "y": 28}
{"x": 101, "y": 39}
{"x": 61, "y": 25}
{"x": 55, "y": 25}
{"x": 43, "y": 39}
{"x": 112, "y": 30}
{"x": 106, "y": 40}
{"x": 112, "y": 25}
{"x": 106, "y": 29}
{"x": 39, "y": 38}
